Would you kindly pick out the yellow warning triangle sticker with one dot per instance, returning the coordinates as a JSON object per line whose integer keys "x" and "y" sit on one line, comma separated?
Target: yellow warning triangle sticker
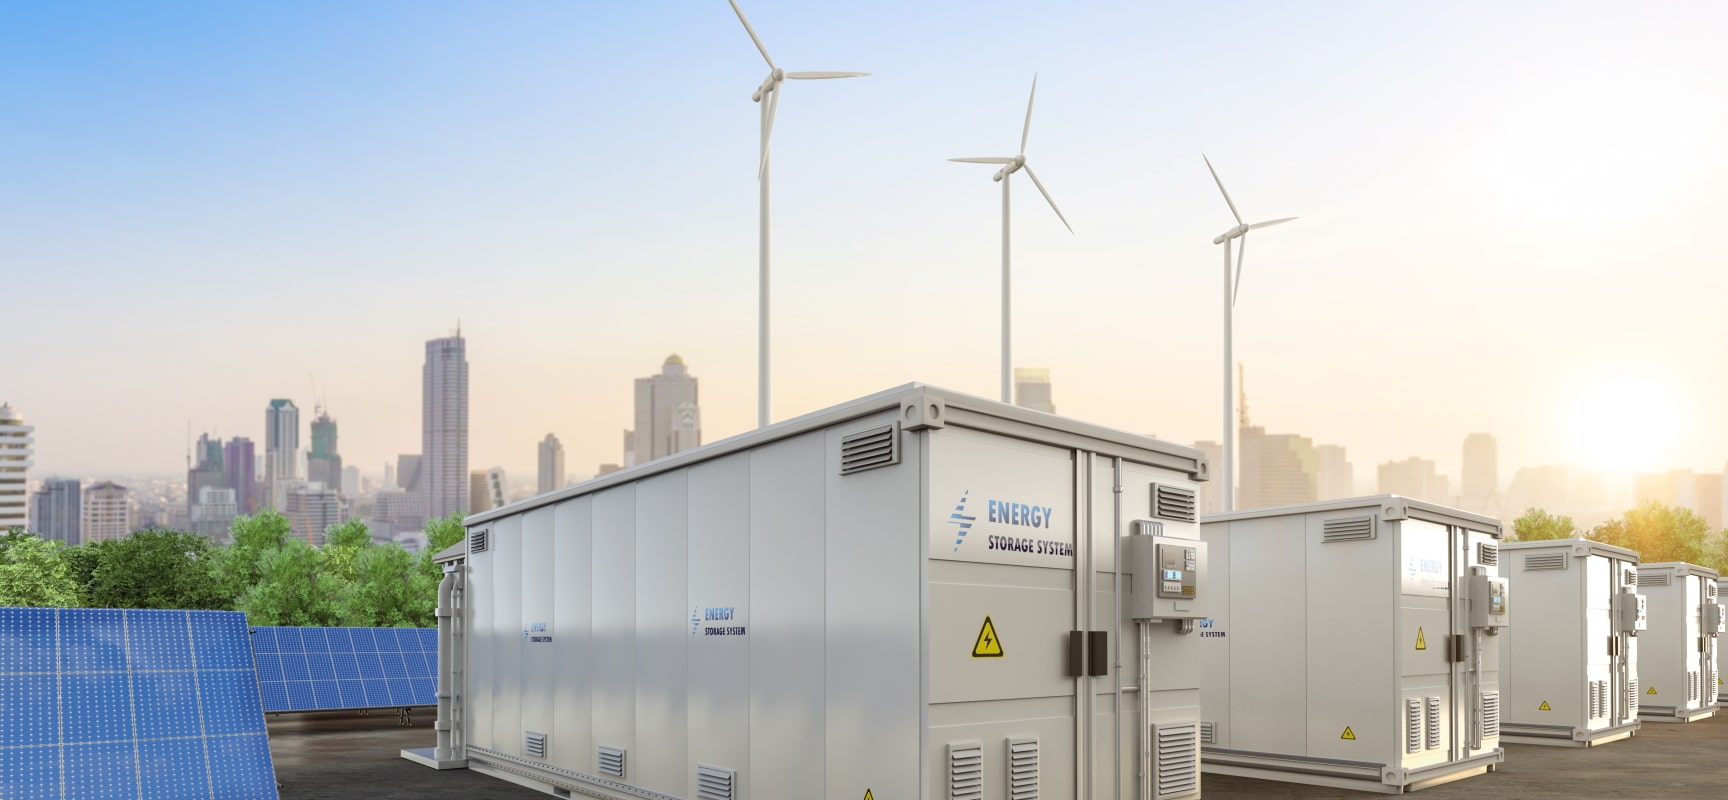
{"x": 1544, "y": 706}
{"x": 1348, "y": 734}
{"x": 868, "y": 795}
{"x": 987, "y": 646}
{"x": 1652, "y": 690}
{"x": 1421, "y": 642}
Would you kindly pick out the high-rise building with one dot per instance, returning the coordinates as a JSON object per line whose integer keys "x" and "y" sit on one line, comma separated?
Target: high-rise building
{"x": 496, "y": 493}
{"x": 312, "y": 510}
{"x": 1699, "y": 492}
{"x": 239, "y": 465}
{"x": 479, "y": 499}
{"x": 408, "y": 472}
{"x": 395, "y": 511}
{"x": 351, "y": 481}
{"x": 57, "y": 510}
{"x": 1416, "y": 478}
{"x": 323, "y": 464}
{"x": 1278, "y": 469}
{"x": 1212, "y": 491}
{"x": 390, "y": 476}
{"x": 1479, "y": 485}
{"x": 444, "y": 427}
{"x": 1337, "y": 474}
{"x": 213, "y": 512}
{"x": 1032, "y": 389}
{"x": 551, "y": 464}
{"x": 668, "y": 414}
{"x": 107, "y": 512}
{"x": 281, "y": 447}
{"x": 15, "y": 441}
{"x": 208, "y": 468}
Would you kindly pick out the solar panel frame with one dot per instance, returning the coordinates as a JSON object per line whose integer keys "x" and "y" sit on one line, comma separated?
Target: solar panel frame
{"x": 343, "y": 669}
{"x": 129, "y": 703}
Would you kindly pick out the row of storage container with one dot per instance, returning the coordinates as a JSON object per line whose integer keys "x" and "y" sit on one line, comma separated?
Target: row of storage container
{"x": 923, "y": 594}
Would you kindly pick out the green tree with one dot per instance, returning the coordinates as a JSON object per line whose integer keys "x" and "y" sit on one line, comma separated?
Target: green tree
{"x": 239, "y": 566}
{"x": 155, "y": 569}
{"x": 1537, "y": 524}
{"x": 293, "y": 588}
{"x": 390, "y": 590}
{"x": 342, "y": 545}
{"x": 32, "y": 572}
{"x": 81, "y": 563}
{"x": 1657, "y": 533}
{"x": 440, "y": 535}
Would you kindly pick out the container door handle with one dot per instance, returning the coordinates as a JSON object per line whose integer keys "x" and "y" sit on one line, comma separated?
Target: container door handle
{"x": 1098, "y": 654}
{"x": 1076, "y": 654}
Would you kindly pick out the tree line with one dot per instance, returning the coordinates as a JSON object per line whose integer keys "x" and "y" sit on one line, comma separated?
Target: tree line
{"x": 1655, "y": 531}
{"x": 276, "y": 578}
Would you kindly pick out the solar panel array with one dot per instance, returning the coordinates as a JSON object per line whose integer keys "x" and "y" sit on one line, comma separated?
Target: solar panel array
{"x": 326, "y": 669}
{"x": 109, "y": 703}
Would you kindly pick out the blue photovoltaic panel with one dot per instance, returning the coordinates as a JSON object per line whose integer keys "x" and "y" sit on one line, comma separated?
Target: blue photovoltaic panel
{"x": 101, "y": 704}
{"x": 327, "y": 669}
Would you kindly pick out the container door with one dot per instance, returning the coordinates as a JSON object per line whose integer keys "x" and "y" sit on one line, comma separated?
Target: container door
{"x": 1477, "y": 671}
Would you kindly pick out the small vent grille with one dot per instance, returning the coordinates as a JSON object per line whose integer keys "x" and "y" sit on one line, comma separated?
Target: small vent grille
{"x": 1607, "y": 696}
{"x": 1208, "y": 733}
{"x": 713, "y": 783}
{"x": 965, "y": 771}
{"x": 1023, "y": 769}
{"x": 1632, "y": 698}
{"x": 1412, "y": 725}
{"x": 1536, "y": 562}
{"x": 1710, "y": 588}
{"x": 1630, "y": 577}
{"x": 1433, "y": 723}
{"x": 1177, "y": 753}
{"x": 534, "y": 745}
{"x": 1691, "y": 686}
{"x": 611, "y": 760}
{"x": 1488, "y": 554}
{"x": 871, "y": 449}
{"x": 479, "y": 541}
{"x": 1490, "y": 715}
{"x": 1595, "y": 699}
{"x": 1172, "y": 502}
{"x": 1653, "y": 579}
{"x": 1347, "y": 529}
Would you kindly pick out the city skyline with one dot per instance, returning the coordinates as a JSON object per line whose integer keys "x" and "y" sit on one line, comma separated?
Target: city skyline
{"x": 1570, "y": 252}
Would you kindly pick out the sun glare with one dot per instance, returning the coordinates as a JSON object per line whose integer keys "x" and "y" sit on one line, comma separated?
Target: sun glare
{"x": 1625, "y": 425}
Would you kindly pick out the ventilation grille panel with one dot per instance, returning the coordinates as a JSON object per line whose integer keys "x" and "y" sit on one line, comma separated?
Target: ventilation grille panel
{"x": 1208, "y": 733}
{"x": 1347, "y": 529}
{"x": 965, "y": 771}
{"x": 870, "y": 449}
{"x": 1595, "y": 699}
{"x": 479, "y": 541}
{"x": 713, "y": 783}
{"x": 1653, "y": 579}
{"x": 611, "y": 761}
{"x": 534, "y": 745}
{"x": 1176, "y": 751}
{"x": 1632, "y": 698}
{"x": 1412, "y": 725}
{"x": 1490, "y": 715}
{"x": 1488, "y": 554}
{"x": 1710, "y": 590}
{"x": 1173, "y": 502}
{"x": 1537, "y": 562}
{"x": 1023, "y": 768}
{"x": 1691, "y": 685}
{"x": 1630, "y": 577}
{"x": 1433, "y": 723}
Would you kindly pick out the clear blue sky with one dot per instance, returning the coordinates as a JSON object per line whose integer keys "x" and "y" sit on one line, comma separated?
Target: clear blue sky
{"x": 1504, "y": 207}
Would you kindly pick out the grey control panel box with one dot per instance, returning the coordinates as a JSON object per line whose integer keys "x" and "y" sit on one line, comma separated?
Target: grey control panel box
{"x": 1178, "y": 570}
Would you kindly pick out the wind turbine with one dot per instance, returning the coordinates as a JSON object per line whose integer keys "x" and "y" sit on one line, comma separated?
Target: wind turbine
{"x": 1011, "y": 165}
{"x": 1231, "y": 288}
{"x": 768, "y": 97}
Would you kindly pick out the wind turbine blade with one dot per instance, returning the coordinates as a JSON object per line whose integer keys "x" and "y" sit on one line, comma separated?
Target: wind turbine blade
{"x": 1241, "y": 248}
{"x": 984, "y": 160}
{"x": 768, "y": 136}
{"x": 753, "y": 36}
{"x": 1027, "y": 131}
{"x": 816, "y": 76}
{"x": 1040, "y": 185}
{"x": 1221, "y": 189}
{"x": 1269, "y": 223}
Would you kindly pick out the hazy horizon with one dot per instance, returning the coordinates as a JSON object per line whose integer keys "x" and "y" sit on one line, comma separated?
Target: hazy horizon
{"x": 1506, "y": 219}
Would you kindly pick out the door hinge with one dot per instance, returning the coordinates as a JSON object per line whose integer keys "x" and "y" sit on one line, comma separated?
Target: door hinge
{"x": 1098, "y": 654}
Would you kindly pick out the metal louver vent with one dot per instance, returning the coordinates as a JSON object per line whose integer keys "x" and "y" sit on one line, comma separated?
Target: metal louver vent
{"x": 1347, "y": 529}
{"x": 479, "y": 541}
{"x": 1631, "y": 577}
{"x": 1412, "y": 725}
{"x": 1535, "y": 562}
{"x": 1710, "y": 589}
{"x": 1595, "y": 699}
{"x": 1176, "y": 753}
{"x": 965, "y": 771}
{"x": 1603, "y": 691}
{"x": 534, "y": 744}
{"x": 1490, "y": 715}
{"x": 1632, "y": 698}
{"x": 1691, "y": 685}
{"x": 1653, "y": 579}
{"x": 1173, "y": 502}
{"x": 1208, "y": 733}
{"x": 1488, "y": 554}
{"x": 713, "y": 783}
{"x": 611, "y": 761}
{"x": 870, "y": 449}
{"x": 1023, "y": 768}
{"x": 1433, "y": 723}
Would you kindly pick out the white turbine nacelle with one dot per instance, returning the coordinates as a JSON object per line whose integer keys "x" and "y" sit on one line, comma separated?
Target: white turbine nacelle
{"x": 1018, "y": 162}
{"x": 1230, "y": 234}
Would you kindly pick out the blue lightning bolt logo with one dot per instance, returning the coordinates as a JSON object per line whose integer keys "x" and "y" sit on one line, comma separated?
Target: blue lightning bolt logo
{"x": 960, "y": 518}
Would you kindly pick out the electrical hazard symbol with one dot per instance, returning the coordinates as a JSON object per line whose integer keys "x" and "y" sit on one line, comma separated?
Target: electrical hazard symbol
{"x": 1652, "y": 690}
{"x": 868, "y": 795}
{"x": 988, "y": 645}
{"x": 1421, "y": 641}
{"x": 1544, "y": 706}
{"x": 1348, "y": 735}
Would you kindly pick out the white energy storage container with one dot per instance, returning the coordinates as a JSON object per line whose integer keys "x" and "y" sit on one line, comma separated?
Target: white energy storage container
{"x": 1677, "y": 655}
{"x": 1353, "y": 644}
{"x": 913, "y": 595}
{"x": 1721, "y": 688}
{"x": 1569, "y": 668}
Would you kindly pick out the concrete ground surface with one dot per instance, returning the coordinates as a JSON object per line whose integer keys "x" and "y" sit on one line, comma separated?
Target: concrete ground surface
{"x": 343, "y": 755}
